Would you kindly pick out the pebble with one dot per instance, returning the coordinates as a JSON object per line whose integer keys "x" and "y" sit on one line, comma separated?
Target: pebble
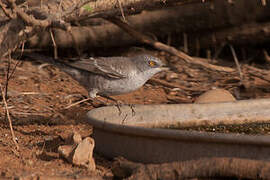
{"x": 83, "y": 154}
{"x": 215, "y": 95}
{"x": 79, "y": 152}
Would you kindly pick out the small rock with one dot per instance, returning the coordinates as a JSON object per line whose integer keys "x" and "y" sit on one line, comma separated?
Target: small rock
{"x": 80, "y": 154}
{"x": 83, "y": 154}
{"x": 215, "y": 95}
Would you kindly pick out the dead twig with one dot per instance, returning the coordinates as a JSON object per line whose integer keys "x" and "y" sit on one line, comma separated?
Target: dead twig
{"x": 147, "y": 40}
{"x": 30, "y": 113}
{"x": 60, "y": 5}
{"x": 30, "y": 20}
{"x": 14, "y": 69}
{"x": 6, "y": 12}
{"x": 208, "y": 54}
{"x": 171, "y": 85}
{"x": 4, "y": 95}
{"x": 177, "y": 99}
{"x": 10, "y": 74}
{"x": 259, "y": 73}
{"x": 78, "y": 102}
{"x": 16, "y": 93}
{"x": 122, "y": 11}
{"x": 237, "y": 63}
{"x": 266, "y": 56}
{"x": 185, "y": 38}
{"x": 7, "y": 75}
{"x": 219, "y": 50}
{"x": 54, "y": 45}
{"x": 9, "y": 119}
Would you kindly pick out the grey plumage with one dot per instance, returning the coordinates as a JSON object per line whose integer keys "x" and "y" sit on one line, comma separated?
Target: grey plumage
{"x": 108, "y": 76}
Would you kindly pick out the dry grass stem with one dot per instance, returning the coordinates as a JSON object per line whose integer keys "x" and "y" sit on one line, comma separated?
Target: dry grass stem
{"x": 78, "y": 102}
{"x": 122, "y": 11}
{"x": 8, "y": 116}
{"x": 237, "y": 63}
{"x": 185, "y": 37}
{"x": 54, "y": 45}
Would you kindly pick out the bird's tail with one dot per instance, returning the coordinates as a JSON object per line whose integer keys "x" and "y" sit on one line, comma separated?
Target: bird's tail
{"x": 58, "y": 63}
{"x": 43, "y": 59}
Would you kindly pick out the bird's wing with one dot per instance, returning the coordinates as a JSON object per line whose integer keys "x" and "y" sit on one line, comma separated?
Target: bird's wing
{"x": 112, "y": 67}
{"x": 109, "y": 67}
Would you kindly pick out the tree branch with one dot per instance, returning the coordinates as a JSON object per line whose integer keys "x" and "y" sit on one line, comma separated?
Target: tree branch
{"x": 158, "y": 45}
{"x": 202, "y": 168}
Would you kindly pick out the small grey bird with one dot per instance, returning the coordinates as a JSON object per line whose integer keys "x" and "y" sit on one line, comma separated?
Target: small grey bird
{"x": 107, "y": 76}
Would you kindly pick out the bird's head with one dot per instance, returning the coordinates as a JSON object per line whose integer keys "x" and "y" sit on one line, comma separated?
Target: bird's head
{"x": 149, "y": 65}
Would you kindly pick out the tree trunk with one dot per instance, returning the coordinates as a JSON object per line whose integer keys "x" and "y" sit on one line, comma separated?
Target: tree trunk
{"x": 193, "y": 19}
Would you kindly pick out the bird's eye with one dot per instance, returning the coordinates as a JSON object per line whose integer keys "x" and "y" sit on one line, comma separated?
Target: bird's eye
{"x": 152, "y": 63}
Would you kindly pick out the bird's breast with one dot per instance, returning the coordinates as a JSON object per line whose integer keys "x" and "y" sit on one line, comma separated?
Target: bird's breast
{"x": 121, "y": 86}
{"x": 111, "y": 86}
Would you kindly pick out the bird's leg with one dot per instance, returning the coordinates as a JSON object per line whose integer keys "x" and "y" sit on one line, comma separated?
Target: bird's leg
{"x": 112, "y": 99}
{"x": 101, "y": 103}
{"x": 132, "y": 109}
{"x": 117, "y": 103}
{"x": 93, "y": 94}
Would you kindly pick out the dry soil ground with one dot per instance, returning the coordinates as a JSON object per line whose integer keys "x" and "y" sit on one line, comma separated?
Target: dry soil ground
{"x": 39, "y": 95}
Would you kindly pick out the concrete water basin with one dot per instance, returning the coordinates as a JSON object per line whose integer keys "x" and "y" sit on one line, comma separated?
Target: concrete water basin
{"x": 136, "y": 133}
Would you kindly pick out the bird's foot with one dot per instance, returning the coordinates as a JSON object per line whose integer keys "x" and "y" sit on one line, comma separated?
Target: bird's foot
{"x": 119, "y": 108}
{"x": 132, "y": 109}
{"x": 116, "y": 102}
